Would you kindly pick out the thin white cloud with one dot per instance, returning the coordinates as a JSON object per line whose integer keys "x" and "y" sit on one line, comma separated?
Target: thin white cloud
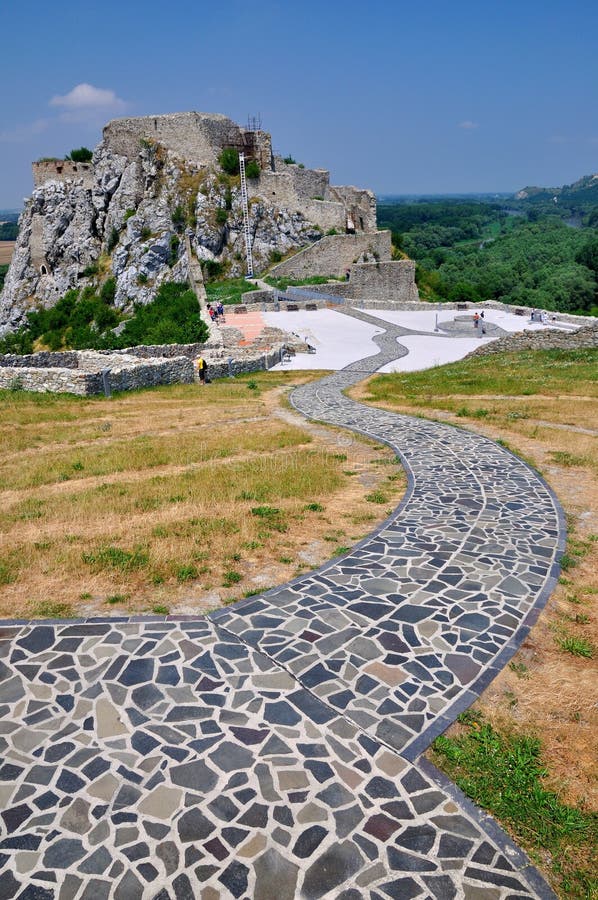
{"x": 86, "y": 96}
{"x": 88, "y": 105}
{"x": 468, "y": 125}
{"x": 21, "y": 133}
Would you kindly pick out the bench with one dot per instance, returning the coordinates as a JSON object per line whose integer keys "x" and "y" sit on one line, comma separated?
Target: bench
{"x": 311, "y": 307}
{"x": 292, "y": 307}
{"x": 240, "y": 309}
{"x": 521, "y": 312}
{"x": 462, "y": 306}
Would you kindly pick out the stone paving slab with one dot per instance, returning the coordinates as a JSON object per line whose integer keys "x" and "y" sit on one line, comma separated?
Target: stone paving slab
{"x": 271, "y": 750}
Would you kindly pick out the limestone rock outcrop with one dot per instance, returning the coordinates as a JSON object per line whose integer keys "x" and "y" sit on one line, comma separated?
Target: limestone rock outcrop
{"x": 152, "y": 182}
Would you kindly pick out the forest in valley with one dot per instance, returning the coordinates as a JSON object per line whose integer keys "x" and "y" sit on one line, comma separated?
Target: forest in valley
{"x": 539, "y": 251}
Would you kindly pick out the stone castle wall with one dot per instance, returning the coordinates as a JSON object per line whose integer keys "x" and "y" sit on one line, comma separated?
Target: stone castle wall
{"x": 196, "y": 137}
{"x": 360, "y": 205}
{"x": 62, "y": 170}
{"x": 334, "y": 254}
{"x": 391, "y": 280}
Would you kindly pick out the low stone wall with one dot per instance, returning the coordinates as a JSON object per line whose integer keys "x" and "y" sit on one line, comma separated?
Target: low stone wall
{"x": 333, "y": 254}
{"x": 126, "y": 372}
{"x": 131, "y": 369}
{"x": 67, "y": 359}
{"x": 56, "y": 380}
{"x": 583, "y": 338}
{"x": 163, "y": 351}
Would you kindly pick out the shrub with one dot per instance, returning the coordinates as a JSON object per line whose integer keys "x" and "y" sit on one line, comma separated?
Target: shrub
{"x": 212, "y": 268}
{"x": 129, "y": 213}
{"x": 229, "y": 161}
{"x": 179, "y": 219}
{"x": 146, "y": 232}
{"x": 91, "y": 270}
{"x": 112, "y": 240}
{"x": 252, "y": 169}
{"x": 108, "y": 291}
{"x": 289, "y": 160}
{"x": 142, "y": 278}
{"x": 221, "y": 216}
{"x": 174, "y": 249}
{"x": 83, "y": 154}
{"x": 275, "y": 256}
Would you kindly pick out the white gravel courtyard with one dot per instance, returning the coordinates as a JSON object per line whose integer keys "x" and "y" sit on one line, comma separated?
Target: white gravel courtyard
{"x": 340, "y": 339}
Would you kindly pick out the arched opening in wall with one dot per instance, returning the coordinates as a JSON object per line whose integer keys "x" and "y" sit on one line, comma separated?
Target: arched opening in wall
{"x": 361, "y": 223}
{"x": 43, "y": 270}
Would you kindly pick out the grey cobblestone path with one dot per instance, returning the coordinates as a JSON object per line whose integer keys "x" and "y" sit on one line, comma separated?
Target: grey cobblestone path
{"x": 272, "y": 750}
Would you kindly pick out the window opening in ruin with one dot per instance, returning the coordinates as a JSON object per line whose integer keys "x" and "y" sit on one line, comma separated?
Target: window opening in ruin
{"x": 155, "y": 124}
{"x": 43, "y": 270}
{"x": 361, "y": 223}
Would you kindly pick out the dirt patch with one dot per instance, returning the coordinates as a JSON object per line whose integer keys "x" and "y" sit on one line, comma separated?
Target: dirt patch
{"x": 6, "y": 252}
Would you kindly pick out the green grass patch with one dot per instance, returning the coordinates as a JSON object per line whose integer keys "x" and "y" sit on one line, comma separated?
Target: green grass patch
{"x": 231, "y": 577}
{"x": 49, "y": 609}
{"x": 563, "y": 458}
{"x": 541, "y": 371}
{"x": 161, "y": 610}
{"x": 376, "y": 497}
{"x": 314, "y": 507}
{"x": 504, "y": 774}
{"x": 281, "y": 284}
{"x": 117, "y": 558}
{"x": 186, "y": 573}
{"x": 229, "y": 290}
{"x": 575, "y": 646}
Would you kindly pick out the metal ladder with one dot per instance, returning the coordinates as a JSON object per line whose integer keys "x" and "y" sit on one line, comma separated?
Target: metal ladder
{"x": 246, "y": 230}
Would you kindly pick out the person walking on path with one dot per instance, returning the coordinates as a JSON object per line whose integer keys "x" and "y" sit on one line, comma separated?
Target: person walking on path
{"x": 476, "y": 320}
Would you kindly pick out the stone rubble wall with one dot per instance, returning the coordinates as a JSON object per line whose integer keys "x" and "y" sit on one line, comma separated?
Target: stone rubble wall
{"x": 52, "y": 374}
{"x": 62, "y": 170}
{"x": 333, "y": 254}
{"x": 289, "y": 183}
{"x": 39, "y": 380}
{"x": 65, "y": 359}
{"x": 80, "y": 372}
{"x": 583, "y": 338}
{"x": 391, "y": 280}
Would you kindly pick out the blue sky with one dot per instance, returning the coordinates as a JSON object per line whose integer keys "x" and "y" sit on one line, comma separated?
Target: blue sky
{"x": 402, "y": 97}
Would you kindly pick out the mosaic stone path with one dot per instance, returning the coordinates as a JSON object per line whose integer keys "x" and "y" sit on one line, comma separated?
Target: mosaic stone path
{"x": 272, "y": 750}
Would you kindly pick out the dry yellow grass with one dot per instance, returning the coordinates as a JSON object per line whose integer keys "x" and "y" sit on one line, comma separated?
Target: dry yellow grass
{"x": 174, "y": 499}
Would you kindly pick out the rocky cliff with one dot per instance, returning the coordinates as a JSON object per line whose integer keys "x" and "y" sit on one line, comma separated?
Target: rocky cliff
{"x": 126, "y": 214}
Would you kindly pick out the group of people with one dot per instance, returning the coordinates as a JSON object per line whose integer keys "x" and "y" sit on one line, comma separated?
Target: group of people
{"x": 216, "y": 312}
{"x": 479, "y": 321}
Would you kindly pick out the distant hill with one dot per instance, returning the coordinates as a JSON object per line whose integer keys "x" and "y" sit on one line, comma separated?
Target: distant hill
{"x": 582, "y": 193}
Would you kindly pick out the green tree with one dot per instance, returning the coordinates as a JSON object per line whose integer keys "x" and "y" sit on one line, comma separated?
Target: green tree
{"x": 229, "y": 161}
